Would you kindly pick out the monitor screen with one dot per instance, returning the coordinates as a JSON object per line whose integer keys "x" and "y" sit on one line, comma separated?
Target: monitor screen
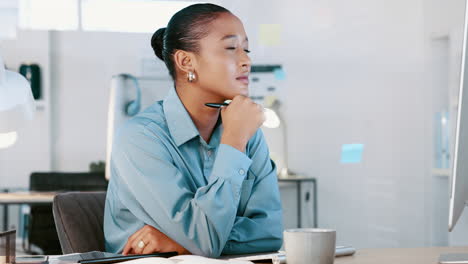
{"x": 459, "y": 181}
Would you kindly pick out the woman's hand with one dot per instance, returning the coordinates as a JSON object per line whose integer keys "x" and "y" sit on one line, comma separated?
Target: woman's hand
{"x": 153, "y": 241}
{"x": 241, "y": 119}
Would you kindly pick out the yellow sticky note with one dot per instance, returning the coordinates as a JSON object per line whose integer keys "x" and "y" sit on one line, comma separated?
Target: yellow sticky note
{"x": 269, "y": 34}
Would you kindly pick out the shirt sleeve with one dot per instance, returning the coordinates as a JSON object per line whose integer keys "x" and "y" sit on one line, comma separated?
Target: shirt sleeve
{"x": 156, "y": 192}
{"x": 260, "y": 227}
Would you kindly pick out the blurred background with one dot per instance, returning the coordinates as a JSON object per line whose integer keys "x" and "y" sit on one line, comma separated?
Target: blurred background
{"x": 367, "y": 92}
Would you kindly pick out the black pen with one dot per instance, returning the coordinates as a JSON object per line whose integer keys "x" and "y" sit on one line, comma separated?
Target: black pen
{"x": 216, "y": 105}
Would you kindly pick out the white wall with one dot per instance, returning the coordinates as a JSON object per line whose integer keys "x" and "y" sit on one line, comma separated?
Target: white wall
{"x": 84, "y": 63}
{"x": 355, "y": 74}
{"x": 444, "y": 24}
{"x": 32, "y": 151}
{"x": 361, "y": 80}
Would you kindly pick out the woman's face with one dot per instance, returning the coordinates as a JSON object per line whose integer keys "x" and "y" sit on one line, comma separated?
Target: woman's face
{"x": 223, "y": 64}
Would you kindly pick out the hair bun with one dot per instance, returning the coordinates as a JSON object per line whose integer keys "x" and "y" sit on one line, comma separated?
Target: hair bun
{"x": 157, "y": 42}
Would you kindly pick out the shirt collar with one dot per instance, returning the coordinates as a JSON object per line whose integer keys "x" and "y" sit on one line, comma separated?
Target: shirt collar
{"x": 179, "y": 121}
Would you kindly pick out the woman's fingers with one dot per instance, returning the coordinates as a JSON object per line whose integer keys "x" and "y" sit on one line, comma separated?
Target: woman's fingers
{"x": 146, "y": 240}
{"x": 151, "y": 243}
{"x": 151, "y": 247}
{"x": 126, "y": 250}
{"x": 136, "y": 245}
{"x": 128, "y": 247}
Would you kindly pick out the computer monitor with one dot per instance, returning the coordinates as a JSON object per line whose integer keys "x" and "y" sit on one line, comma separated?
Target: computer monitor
{"x": 459, "y": 179}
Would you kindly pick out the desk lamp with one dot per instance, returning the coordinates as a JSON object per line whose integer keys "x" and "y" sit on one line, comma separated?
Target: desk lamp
{"x": 16, "y": 105}
{"x": 274, "y": 120}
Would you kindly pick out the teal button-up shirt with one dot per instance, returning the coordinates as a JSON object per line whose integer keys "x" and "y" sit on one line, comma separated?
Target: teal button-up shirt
{"x": 209, "y": 197}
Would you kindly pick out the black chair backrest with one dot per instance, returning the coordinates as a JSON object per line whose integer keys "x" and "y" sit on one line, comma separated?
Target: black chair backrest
{"x": 41, "y": 228}
{"x": 67, "y": 181}
{"x": 79, "y": 218}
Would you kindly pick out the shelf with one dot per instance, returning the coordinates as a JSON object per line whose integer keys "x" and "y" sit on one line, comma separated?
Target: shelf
{"x": 441, "y": 172}
{"x": 40, "y": 105}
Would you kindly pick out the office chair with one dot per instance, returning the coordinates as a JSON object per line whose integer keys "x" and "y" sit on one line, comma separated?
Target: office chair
{"x": 40, "y": 228}
{"x": 79, "y": 218}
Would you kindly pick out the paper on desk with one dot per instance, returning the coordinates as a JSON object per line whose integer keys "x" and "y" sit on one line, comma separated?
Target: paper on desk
{"x": 275, "y": 257}
{"x": 185, "y": 259}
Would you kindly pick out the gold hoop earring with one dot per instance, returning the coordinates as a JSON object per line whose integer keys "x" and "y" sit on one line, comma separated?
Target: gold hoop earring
{"x": 191, "y": 76}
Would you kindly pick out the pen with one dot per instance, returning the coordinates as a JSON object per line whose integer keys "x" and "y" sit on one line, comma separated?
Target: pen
{"x": 216, "y": 105}
{"x": 271, "y": 118}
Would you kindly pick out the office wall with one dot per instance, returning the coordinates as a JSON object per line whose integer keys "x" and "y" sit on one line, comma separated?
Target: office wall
{"x": 444, "y": 32}
{"x": 84, "y": 63}
{"x": 354, "y": 74}
{"x": 362, "y": 82}
{"x": 32, "y": 151}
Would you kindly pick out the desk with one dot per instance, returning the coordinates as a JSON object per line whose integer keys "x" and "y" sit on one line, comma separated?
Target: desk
{"x": 298, "y": 180}
{"x": 428, "y": 255}
{"x": 23, "y": 198}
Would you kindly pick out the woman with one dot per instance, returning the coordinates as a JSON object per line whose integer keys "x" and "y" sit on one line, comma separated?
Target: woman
{"x": 186, "y": 177}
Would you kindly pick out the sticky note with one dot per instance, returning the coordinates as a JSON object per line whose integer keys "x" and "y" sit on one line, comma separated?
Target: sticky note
{"x": 279, "y": 74}
{"x": 269, "y": 34}
{"x": 351, "y": 153}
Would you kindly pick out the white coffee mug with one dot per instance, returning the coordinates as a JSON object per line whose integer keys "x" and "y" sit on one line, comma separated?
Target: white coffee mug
{"x": 310, "y": 245}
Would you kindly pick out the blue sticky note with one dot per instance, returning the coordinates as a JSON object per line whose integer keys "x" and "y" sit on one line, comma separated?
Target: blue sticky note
{"x": 279, "y": 74}
{"x": 351, "y": 153}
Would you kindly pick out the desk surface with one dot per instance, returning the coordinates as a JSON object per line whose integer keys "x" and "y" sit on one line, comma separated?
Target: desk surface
{"x": 428, "y": 255}
{"x": 296, "y": 178}
{"x": 27, "y": 197}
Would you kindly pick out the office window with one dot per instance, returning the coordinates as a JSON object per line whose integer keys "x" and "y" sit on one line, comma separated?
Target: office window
{"x": 49, "y": 14}
{"x": 128, "y": 15}
{"x": 8, "y": 19}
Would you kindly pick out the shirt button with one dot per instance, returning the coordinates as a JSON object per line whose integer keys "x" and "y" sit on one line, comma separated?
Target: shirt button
{"x": 241, "y": 172}
{"x": 208, "y": 153}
